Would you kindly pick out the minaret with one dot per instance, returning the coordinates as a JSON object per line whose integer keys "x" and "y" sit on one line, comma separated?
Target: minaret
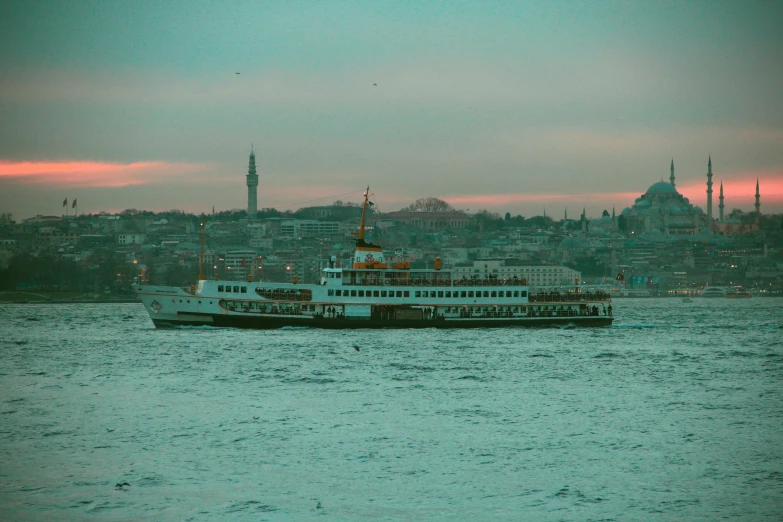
{"x": 709, "y": 188}
{"x": 720, "y": 206}
{"x": 758, "y": 203}
{"x": 252, "y": 185}
{"x": 671, "y": 176}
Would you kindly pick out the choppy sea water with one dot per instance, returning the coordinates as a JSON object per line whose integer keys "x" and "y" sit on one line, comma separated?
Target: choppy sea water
{"x": 674, "y": 413}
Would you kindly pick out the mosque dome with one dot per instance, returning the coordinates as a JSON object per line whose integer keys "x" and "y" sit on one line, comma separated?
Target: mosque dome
{"x": 661, "y": 188}
{"x": 705, "y": 232}
{"x": 606, "y": 220}
{"x": 626, "y": 210}
{"x": 657, "y": 232}
{"x": 675, "y": 210}
{"x": 570, "y": 243}
{"x": 643, "y": 203}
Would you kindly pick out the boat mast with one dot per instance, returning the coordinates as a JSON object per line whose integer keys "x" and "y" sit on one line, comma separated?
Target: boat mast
{"x": 360, "y": 237}
{"x": 201, "y": 257}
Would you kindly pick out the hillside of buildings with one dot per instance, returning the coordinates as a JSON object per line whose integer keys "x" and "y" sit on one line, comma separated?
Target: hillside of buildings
{"x": 101, "y": 256}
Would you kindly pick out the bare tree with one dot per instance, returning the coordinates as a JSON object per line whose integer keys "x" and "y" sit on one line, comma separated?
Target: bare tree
{"x": 428, "y": 205}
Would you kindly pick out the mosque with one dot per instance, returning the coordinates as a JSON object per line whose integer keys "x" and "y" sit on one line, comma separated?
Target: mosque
{"x": 664, "y": 211}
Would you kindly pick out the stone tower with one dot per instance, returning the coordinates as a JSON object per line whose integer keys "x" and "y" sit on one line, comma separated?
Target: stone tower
{"x": 252, "y": 185}
{"x": 709, "y": 188}
{"x": 671, "y": 176}
{"x": 758, "y": 203}
{"x": 720, "y": 206}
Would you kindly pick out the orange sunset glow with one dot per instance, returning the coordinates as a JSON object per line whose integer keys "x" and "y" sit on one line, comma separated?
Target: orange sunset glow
{"x": 90, "y": 173}
{"x": 737, "y": 192}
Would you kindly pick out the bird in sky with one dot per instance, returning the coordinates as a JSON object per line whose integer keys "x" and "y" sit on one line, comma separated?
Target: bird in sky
{"x": 237, "y": 73}
{"x": 375, "y": 85}
{"x": 355, "y": 347}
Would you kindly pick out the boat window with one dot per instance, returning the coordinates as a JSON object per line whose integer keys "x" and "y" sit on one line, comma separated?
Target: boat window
{"x": 228, "y": 289}
{"x": 524, "y": 293}
{"x": 220, "y": 288}
{"x": 330, "y": 292}
{"x": 440, "y": 293}
{"x": 470, "y": 294}
{"x": 244, "y": 289}
{"x": 464, "y": 294}
{"x": 236, "y": 289}
{"x": 516, "y": 293}
{"x": 494, "y": 293}
{"x": 486, "y": 293}
{"x": 376, "y": 293}
{"x": 407, "y": 293}
{"x": 399, "y": 293}
{"x": 339, "y": 292}
{"x": 383, "y": 293}
{"x": 338, "y": 275}
{"x": 361, "y": 293}
{"x": 417, "y": 294}
{"x": 353, "y": 293}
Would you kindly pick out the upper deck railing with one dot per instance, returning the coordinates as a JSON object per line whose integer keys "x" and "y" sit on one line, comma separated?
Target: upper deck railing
{"x": 552, "y": 295}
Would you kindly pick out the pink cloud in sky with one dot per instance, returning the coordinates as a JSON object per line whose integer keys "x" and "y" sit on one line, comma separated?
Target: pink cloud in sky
{"x": 739, "y": 192}
{"x": 501, "y": 200}
{"x": 91, "y": 173}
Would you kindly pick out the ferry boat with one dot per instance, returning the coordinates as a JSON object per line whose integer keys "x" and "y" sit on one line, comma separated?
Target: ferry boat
{"x": 372, "y": 294}
{"x": 713, "y": 291}
{"x": 738, "y": 293}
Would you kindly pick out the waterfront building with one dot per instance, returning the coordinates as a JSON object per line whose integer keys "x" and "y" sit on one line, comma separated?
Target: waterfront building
{"x": 309, "y": 228}
{"x": 536, "y": 275}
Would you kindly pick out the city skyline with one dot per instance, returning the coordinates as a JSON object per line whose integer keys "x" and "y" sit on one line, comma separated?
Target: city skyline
{"x": 509, "y": 108}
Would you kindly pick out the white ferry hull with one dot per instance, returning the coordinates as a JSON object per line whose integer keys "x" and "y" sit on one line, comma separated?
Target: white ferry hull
{"x": 174, "y": 307}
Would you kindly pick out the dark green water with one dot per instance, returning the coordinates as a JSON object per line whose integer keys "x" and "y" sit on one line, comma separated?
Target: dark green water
{"x": 674, "y": 413}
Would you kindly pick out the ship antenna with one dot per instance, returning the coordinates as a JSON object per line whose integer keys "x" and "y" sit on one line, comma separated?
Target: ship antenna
{"x": 201, "y": 257}
{"x": 364, "y": 214}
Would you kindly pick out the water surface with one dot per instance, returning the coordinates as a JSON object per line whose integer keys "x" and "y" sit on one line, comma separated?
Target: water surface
{"x": 676, "y": 412}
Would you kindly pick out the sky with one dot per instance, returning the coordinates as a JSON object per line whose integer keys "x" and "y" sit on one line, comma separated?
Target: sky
{"x": 513, "y": 107}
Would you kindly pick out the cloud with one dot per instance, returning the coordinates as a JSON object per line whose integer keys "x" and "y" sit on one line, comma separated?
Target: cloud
{"x": 90, "y": 173}
{"x": 503, "y": 200}
{"x": 739, "y": 191}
